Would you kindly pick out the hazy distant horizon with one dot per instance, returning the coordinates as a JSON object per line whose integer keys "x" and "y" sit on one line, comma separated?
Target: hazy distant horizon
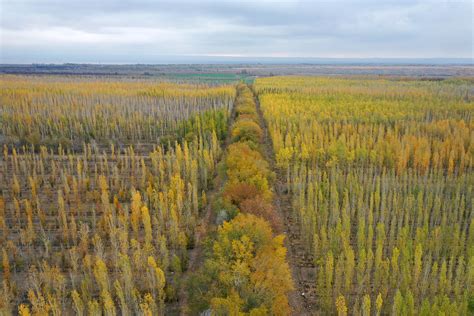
{"x": 209, "y": 60}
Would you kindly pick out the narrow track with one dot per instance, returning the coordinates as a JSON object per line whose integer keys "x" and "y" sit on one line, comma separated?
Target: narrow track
{"x": 282, "y": 203}
{"x": 205, "y": 225}
{"x": 301, "y": 270}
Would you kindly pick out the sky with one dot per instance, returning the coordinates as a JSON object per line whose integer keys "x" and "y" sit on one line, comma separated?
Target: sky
{"x": 153, "y": 31}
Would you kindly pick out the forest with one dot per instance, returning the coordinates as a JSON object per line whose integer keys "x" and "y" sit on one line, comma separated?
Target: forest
{"x": 380, "y": 174}
{"x": 291, "y": 195}
{"x": 102, "y": 187}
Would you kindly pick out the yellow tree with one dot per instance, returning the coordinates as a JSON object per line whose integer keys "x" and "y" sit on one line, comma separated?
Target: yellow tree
{"x": 158, "y": 282}
{"x": 135, "y": 211}
{"x": 341, "y": 306}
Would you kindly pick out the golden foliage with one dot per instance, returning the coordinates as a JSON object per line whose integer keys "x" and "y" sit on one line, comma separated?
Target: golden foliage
{"x": 380, "y": 172}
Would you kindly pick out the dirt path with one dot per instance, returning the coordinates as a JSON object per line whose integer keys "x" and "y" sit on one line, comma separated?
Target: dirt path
{"x": 205, "y": 225}
{"x": 302, "y": 268}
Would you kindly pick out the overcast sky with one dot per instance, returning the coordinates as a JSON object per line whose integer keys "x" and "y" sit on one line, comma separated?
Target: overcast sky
{"x": 144, "y": 31}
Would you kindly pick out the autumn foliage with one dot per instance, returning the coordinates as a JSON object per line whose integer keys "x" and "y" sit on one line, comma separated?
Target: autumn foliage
{"x": 69, "y": 111}
{"x": 380, "y": 173}
{"x": 246, "y": 270}
{"x": 98, "y": 227}
{"x": 248, "y": 174}
{"x": 247, "y": 130}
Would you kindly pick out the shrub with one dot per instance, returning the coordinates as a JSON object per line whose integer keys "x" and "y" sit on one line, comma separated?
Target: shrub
{"x": 248, "y": 116}
{"x": 246, "y": 270}
{"x": 236, "y": 193}
{"x": 225, "y": 210}
{"x": 247, "y": 130}
{"x": 242, "y": 162}
{"x": 259, "y": 207}
{"x": 246, "y": 109}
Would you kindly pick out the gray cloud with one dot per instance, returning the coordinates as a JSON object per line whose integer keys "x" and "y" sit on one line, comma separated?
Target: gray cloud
{"x": 142, "y": 31}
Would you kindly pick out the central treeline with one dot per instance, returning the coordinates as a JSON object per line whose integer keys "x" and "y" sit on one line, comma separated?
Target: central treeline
{"x": 245, "y": 270}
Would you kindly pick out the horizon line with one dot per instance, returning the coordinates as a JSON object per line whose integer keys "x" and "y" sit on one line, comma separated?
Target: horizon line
{"x": 218, "y": 59}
